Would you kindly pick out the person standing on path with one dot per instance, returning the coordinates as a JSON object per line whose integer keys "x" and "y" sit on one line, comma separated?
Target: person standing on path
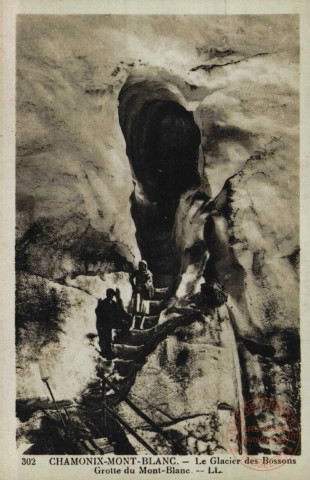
{"x": 108, "y": 316}
{"x": 142, "y": 285}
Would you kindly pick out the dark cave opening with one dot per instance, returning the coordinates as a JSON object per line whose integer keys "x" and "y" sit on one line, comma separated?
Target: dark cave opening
{"x": 162, "y": 144}
{"x": 167, "y": 150}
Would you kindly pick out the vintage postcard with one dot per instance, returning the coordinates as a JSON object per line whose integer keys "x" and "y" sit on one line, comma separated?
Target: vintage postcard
{"x": 156, "y": 179}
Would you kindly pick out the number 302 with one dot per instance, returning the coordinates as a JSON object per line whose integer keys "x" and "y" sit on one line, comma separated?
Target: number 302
{"x": 28, "y": 461}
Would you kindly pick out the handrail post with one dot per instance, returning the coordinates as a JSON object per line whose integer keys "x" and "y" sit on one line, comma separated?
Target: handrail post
{"x": 45, "y": 380}
{"x": 104, "y": 411}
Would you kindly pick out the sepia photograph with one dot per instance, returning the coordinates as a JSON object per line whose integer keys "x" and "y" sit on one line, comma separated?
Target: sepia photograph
{"x": 157, "y": 234}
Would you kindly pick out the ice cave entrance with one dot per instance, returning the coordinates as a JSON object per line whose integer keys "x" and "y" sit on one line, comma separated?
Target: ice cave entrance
{"x": 162, "y": 144}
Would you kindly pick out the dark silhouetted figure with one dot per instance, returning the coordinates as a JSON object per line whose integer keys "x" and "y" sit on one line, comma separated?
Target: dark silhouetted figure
{"x": 110, "y": 315}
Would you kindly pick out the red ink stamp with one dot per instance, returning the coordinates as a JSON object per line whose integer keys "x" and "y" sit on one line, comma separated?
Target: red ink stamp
{"x": 263, "y": 434}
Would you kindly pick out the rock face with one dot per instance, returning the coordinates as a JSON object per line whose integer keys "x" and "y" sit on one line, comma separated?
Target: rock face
{"x": 85, "y": 195}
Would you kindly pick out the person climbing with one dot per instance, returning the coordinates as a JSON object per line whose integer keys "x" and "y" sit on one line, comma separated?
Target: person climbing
{"x": 109, "y": 315}
{"x": 213, "y": 294}
{"x": 142, "y": 284}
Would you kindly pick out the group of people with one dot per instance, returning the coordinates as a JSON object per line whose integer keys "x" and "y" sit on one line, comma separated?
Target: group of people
{"x": 111, "y": 314}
